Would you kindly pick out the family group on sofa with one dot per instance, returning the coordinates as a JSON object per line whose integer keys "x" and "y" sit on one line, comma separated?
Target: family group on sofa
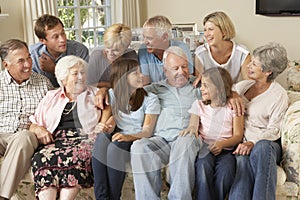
{"x": 78, "y": 118}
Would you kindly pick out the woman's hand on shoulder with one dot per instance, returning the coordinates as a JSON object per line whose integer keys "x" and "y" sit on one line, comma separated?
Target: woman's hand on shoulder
{"x": 197, "y": 81}
{"x": 237, "y": 104}
{"x": 244, "y": 148}
{"x": 101, "y": 98}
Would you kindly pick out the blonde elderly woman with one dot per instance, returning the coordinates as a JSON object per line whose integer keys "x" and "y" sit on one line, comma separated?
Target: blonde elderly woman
{"x": 117, "y": 39}
{"x": 66, "y": 117}
{"x": 220, "y": 50}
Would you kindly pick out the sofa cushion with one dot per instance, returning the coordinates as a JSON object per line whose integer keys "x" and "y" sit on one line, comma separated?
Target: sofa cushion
{"x": 293, "y": 78}
{"x": 290, "y": 135}
{"x": 281, "y": 176}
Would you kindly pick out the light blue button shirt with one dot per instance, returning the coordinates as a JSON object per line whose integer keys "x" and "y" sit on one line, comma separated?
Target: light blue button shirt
{"x": 153, "y": 67}
{"x": 175, "y": 103}
{"x": 73, "y": 48}
{"x": 133, "y": 122}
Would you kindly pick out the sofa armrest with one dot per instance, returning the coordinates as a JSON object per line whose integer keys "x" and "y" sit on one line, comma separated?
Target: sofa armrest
{"x": 290, "y": 135}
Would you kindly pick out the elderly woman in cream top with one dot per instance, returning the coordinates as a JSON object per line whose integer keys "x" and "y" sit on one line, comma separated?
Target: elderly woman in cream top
{"x": 67, "y": 118}
{"x": 266, "y": 103}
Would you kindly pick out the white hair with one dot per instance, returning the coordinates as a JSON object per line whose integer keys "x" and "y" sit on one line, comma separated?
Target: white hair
{"x": 64, "y": 65}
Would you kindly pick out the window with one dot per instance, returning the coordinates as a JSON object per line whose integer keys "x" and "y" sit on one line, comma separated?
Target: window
{"x": 85, "y": 20}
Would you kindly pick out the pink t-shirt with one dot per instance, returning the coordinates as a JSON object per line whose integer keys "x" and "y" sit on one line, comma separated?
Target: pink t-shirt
{"x": 215, "y": 123}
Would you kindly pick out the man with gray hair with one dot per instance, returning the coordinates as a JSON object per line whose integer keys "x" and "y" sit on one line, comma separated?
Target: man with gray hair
{"x": 157, "y": 38}
{"x": 167, "y": 147}
{"x": 21, "y": 91}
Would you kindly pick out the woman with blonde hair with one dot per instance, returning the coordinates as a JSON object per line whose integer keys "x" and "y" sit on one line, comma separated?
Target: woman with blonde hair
{"x": 116, "y": 39}
{"x": 219, "y": 50}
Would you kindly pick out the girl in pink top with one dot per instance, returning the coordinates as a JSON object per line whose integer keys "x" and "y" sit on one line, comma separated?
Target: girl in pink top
{"x": 220, "y": 131}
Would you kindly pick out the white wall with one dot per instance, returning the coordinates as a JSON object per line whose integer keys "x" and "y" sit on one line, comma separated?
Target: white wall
{"x": 252, "y": 30}
{"x": 11, "y": 26}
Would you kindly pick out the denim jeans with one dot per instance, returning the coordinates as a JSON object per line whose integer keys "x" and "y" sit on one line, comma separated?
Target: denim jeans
{"x": 149, "y": 155}
{"x": 109, "y": 166}
{"x": 256, "y": 174}
{"x": 214, "y": 175}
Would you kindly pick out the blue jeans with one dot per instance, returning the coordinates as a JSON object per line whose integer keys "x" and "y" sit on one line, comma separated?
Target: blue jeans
{"x": 109, "y": 166}
{"x": 149, "y": 155}
{"x": 256, "y": 174}
{"x": 214, "y": 175}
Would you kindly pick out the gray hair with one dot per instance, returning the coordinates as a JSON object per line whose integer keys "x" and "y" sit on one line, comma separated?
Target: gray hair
{"x": 11, "y": 45}
{"x": 273, "y": 58}
{"x": 63, "y": 66}
{"x": 176, "y": 51}
{"x": 161, "y": 24}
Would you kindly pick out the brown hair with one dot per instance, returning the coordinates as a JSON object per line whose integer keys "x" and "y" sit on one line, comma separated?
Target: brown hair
{"x": 45, "y": 22}
{"x": 124, "y": 100}
{"x": 11, "y": 45}
{"x": 221, "y": 78}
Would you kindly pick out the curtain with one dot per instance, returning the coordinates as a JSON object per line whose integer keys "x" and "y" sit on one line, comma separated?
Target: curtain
{"x": 126, "y": 12}
{"x": 32, "y": 10}
{"x": 131, "y": 13}
{"x": 116, "y": 11}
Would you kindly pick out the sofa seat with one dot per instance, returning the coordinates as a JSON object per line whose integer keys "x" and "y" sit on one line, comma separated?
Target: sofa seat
{"x": 288, "y": 173}
{"x": 25, "y": 190}
{"x": 290, "y": 136}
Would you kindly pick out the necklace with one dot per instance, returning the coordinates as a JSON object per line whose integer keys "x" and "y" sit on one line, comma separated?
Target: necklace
{"x": 67, "y": 111}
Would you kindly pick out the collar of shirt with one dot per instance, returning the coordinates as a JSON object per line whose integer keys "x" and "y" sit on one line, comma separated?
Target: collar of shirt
{"x": 45, "y": 50}
{"x": 166, "y": 84}
{"x": 62, "y": 93}
{"x": 10, "y": 80}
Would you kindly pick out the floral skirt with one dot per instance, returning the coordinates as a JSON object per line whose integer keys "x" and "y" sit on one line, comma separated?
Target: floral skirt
{"x": 64, "y": 163}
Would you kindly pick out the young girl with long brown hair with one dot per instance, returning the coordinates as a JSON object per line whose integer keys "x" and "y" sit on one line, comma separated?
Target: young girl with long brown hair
{"x": 134, "y": 113}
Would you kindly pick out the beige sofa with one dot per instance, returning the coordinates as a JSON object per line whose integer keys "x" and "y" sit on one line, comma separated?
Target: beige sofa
{"x": 288, "y": 173}
{"x": 288, "y": 177}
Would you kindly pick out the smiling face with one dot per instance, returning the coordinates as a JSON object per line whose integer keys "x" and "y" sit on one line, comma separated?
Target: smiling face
{"x": 75, "y": 82}
{"x": 153, "y": 41}
{"x": 255, "y": 71}
{"x": 212, "y": 33}
{"x": 176, "y": 70}
{"x": 135, "y": 79}
{"x": 208, "y": 89}
{"x": 19, "y": 64}
{"x": 56, "y": 40}
{"x": 112, "y": 53}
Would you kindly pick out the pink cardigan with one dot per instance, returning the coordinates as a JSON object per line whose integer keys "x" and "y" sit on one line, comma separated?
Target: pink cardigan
{"x": 49, "y": 110}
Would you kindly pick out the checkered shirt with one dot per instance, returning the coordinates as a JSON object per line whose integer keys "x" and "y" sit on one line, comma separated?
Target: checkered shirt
{"x": 18, "y": 102}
